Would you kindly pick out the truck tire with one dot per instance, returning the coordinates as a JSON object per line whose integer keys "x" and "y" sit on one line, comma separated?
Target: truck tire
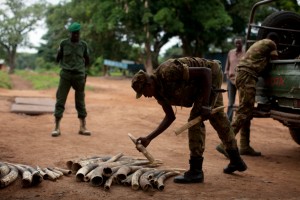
{"x": 286, "y": 20}
{"x": 295, "y": 133}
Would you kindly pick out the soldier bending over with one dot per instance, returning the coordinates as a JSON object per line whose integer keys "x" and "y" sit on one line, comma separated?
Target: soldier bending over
{"x": 247, "y": 71}
{"x": 184, "y": 82}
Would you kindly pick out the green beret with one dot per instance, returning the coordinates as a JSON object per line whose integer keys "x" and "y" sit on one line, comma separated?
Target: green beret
{"x": 74, "y": 27}
{"x": 139, "y": 81}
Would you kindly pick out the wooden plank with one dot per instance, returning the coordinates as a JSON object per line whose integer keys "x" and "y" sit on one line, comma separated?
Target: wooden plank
{"x": 31, "y": 109}
{"x": 35, "y": 101}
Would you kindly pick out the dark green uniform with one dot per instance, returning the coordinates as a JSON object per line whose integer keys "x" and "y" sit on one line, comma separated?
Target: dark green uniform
{"x": 174, "y": 87}
{"x": 71, "y": 75}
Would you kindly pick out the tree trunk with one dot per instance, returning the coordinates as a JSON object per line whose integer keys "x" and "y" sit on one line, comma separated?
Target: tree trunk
{"x": 148, "y": 60}
{"x": 157, "y": 47}
{"x": 11, "y": 60}
{"x": 188, "y": 51}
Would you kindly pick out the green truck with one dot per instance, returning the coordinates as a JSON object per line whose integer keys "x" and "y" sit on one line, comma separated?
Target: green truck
{"x": 278, "y": 87}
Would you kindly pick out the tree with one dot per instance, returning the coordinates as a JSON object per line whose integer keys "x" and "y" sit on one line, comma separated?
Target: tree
{"x": 173, "y": 52}
{"x": 239, "y": 11}
{"x": 16, "y": 21}
{"x": 102, "y": 41}
{"x": 135, "y": 20}
{"x": 202, "y": 21}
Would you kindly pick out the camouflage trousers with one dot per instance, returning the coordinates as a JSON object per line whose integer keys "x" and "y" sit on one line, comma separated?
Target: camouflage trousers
{"x": 219, "y": 121}
{"x": 246, "y": 86}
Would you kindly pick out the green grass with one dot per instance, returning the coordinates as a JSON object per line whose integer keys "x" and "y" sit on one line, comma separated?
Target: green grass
{"x": 5, "y": 80}
{"x": 89, "y": 88}
{"x": 54, "y": 70}
{"x": 116, "y": 73}
{"x": 41, "y": 81}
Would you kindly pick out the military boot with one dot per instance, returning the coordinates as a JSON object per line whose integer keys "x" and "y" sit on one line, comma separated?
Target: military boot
{"x": 245, "y": 149}
{"x": 82, "y": 129}
{"x": 221, "y": 148}
{"x": 236, "y": 162}
{"x": 195, "y": 174}
{"x": 56, "y": 131}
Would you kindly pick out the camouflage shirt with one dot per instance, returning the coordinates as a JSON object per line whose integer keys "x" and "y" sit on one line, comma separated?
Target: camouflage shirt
{"x": 257, "y": 57}
{"x": 174, "y": 87}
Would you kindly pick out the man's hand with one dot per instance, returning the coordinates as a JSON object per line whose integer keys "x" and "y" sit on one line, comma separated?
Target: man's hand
{"x": 206, "y": 114}
{"x": 144, "y": 141}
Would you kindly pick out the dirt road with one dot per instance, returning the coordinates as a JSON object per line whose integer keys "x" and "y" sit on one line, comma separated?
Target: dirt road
{"x": 113, "y": 112}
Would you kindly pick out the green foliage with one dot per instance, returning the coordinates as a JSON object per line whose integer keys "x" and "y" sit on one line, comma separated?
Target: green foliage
{"x": 25, "y": 60}
{"x": 5, "y": 80}
{"x": 16, "y": 21}
{"x": 137, "y": 29}
{"x": 173, "y": 52}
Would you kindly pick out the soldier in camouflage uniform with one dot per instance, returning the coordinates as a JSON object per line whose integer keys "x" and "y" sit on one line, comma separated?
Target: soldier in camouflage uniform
{"x": 254, "y": 61}
{"x": 72, "y": 57}
{"x": 184, "y": 82}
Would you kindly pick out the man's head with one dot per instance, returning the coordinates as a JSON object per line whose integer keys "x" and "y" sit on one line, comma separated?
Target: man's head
{"x": 74, "y": 28}
{"x": 238, "y": 43}
{"x": 274, "y": 37}
{"x": 143, "y": 85}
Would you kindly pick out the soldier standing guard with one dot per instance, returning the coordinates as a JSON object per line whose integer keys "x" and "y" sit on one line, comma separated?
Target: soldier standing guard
{"x": 72, "y": 57}
{"x": 184, "y": 82}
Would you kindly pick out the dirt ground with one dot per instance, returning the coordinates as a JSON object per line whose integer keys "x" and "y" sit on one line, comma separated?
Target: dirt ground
{"x": 113, "y": 112}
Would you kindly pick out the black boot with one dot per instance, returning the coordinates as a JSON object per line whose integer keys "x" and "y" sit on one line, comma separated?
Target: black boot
{"x": 236, "y": 162}
{"x": 195, "y": 174}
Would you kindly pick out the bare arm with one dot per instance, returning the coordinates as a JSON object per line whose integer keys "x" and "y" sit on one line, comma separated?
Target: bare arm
{"x": 166, "y": 122}
{"x": 203, "y": 74}
{"x": 87, "y": 60}
{"x": 227, "y": 67}
{"x": 58, "y": 57}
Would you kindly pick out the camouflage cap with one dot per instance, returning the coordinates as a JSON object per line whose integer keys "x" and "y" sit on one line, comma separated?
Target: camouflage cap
{"x": 139, "y": 81}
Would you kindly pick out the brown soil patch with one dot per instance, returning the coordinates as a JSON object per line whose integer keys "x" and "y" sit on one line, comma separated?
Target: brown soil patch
{"x": 113, "y": 112}
{"x": 19, "y": 83}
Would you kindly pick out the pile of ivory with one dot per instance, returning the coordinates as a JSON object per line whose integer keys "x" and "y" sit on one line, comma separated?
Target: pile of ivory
{"x": 9, "y": 173}
{"x": 130, "y": 171}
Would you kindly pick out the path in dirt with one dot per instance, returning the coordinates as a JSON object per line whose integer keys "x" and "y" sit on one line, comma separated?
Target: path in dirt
{"x": 20, "y": 83}
{"x": 113, "y": 112}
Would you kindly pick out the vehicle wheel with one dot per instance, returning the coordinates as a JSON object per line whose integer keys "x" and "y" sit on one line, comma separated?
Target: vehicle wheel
{"x": 286, "y": 20}
{"x": 295, "y": 133}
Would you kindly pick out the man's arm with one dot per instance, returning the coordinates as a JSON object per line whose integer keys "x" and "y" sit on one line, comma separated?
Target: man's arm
{"x": 59, "y": 52}
{"x": 227, "y": 66}
{"x": 166, "y": 122}
{"x": 203, "y": 74}
{"x": 87, "y": 60}
{"x": 86, "y": 56}
{"x": 58, "y": 57}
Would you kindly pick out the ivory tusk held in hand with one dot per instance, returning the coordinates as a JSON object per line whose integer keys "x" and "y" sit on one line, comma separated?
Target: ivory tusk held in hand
{"x": 143, "y": 150}
{"x": 196, "y": 121}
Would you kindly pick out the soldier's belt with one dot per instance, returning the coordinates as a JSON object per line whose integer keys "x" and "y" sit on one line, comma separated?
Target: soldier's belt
{"x": 71, "y": 71}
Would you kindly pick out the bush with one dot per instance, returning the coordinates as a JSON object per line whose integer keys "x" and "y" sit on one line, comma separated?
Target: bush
{"x": 5, "y": 80}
